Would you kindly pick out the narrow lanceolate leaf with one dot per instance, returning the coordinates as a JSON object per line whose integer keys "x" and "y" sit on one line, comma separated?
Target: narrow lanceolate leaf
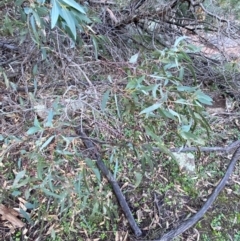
{"x": 37, "y": 18}
{"x": 150, "y": 108}
{"x": 67, "y": 16}
{"x": 95, "y": 45}
{"x": 153, "y": 135}
{"x": 26, "y": 215}
{"x": 200, "y": 94}
{"x": 116, "y": 169}
{"x": 34, "y": 28}
{"x": 47, "y": 142}
{"x": 54, "y": 13}
{"x": 178, "y": 40}
{"x": 33, "y": 130}
{"x": 182, "y": 101}
{"x": 36, "y": 122}
{"x": 49, "y": 193}
{"x": 186, "y": 88}
{"x": 191, "y": 137}
{"x": 104, "y": 100}
{"x": 154, "y": 90}
{"x": 181, "y": 73}
{"x": 6, "y": 80}
{"x": 50, "y": 118}
{"x": 118, "y": 110}
{"x": 204, "y": 101}
{"x": 40, "y": 170}
{"x": 165, "y": 150}
{"x": 75, "y": 5}
{"x": 175, "y": 114}
{"x": 18, "y": 177}
{"x": 138, "y": 176}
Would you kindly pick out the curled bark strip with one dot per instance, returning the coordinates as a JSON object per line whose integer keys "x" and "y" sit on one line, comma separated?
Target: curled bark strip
{"x": 120, "y": 197}
{"x": 195, "y": 218}
{"x": 8, "y": 46}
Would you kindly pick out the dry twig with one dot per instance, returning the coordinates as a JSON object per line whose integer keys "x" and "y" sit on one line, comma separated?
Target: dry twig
{"x": 120, "y": 197}
{"x": 195, "y": 218}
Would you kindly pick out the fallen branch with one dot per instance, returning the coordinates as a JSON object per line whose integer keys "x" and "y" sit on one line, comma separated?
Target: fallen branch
{"x": 226, "y": 149}
{"x": 195, "y": 218}
{"x": 120, "y": 197}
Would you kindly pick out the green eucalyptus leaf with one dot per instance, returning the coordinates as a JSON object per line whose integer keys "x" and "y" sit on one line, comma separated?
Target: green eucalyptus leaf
{"x": 83, "y": 19}
{"x": 19, "y": 2}
{"x": 16, "y": 193}
{"x": 178, "y": 40}
{"x": 191, "y": 69}
{"x": 185, "y": 56}
{"x": 6, "y": 80}
{"x": 67, "y": 16}
{"x": 117, "y": 106}
{"x": 153, "y": 135}
{"x": 155, "y": 89}
{"x": 165, "y": 150}
{"x": 27, "y": 10}
{"x": 139, "y": 177}
{"x": 191, "y": 137}
{"x": 75, "y": 5}
{"x": 35, "y": 69}
{"x": 182, "y": 101}
{"x": 95, "y": 45}
{"x": 19, "y": 176}
{"x": 203, "y": 98}
{"x": 50, "y": 118}
{"x": 170, "y": 66}
{"x": 67, "y": 153}
{"x": 115, "y": 168}
{"x": 90, "y": 163}
{"x": 92, "y": 166}
{"x": 51, "y": 194}
{"x": 105, "y": 100}
{"x": 132, "y": 84}
{"x": 40, "y": 169}
{"x": 47, "y": 142}
{"x": 140, "y": 80}
{"x": 37, "y": 19}
{"x": 33, "y": 130}
{"x": 42, "y": 11}
{"x": 204, "y": 101}
{"x": 146, "y": 89}
{"x": 97, "y": 174}
{"x": 186, "y": 128}
{"x": 181, "y": 73}
{"x": 34, "y": 30}
{"x": 186, "y": 88}
{"x": 26, "y": 215}
{"x": 174, "y": 113}
{"x": 151, "y": 108}
{"x": 168, "y": 114}
{"x": 37, "y": 123}
{"x": 23, "y": 183}
{"x": 54, "y": 13}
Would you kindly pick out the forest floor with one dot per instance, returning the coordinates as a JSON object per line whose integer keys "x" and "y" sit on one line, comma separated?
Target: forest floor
{"x": 60, "y": 194}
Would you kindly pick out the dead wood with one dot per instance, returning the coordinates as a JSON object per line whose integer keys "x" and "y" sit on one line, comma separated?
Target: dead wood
{"x": 195, "y": 218}
{"x": 117, "y": 190}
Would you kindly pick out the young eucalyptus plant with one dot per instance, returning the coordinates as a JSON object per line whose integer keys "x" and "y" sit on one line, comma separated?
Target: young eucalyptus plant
{"x": 161, "y": 94}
